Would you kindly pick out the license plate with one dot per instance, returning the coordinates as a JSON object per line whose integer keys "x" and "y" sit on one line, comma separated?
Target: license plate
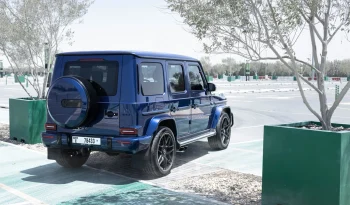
{"x": 86, "y": 140}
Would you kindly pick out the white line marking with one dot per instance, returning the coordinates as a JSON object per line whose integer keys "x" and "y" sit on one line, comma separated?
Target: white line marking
{"x": 278, "y": 98}
{"x": 245, "y": 150}
{"x": 245, "y": 142}
{"x": 21, "y": 194}
{"x": 344, "y": 108}
{"x": 239, "y": 128}
{"x": 23, "y": 203}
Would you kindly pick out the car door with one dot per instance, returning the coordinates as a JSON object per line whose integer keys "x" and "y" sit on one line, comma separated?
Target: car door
{"x": 180, "y": 103}
{"x": 201, "y": 105}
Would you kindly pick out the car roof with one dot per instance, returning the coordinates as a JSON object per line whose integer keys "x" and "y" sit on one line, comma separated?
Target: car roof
{"x": 141, "y": 54}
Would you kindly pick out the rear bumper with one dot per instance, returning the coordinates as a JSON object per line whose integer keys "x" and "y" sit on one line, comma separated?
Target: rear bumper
{"x": 123, "y": 144}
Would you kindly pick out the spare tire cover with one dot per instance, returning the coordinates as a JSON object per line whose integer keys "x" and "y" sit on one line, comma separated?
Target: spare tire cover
{"x": 70, "y": 101}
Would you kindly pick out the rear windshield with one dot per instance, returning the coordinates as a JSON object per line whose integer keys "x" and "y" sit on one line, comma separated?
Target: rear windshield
{"x": 102, "y": 74}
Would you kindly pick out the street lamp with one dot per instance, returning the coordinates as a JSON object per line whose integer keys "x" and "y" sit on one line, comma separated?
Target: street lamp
{"x": 247, "y": 70}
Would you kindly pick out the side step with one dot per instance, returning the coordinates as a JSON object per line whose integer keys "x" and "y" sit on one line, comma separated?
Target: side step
{"x": 197, "y": 137}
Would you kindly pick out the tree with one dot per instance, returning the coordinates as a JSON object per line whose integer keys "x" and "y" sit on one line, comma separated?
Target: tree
{"x": 30, "y": 26}
{"x": 251, "y": 28}
{"x": 231, "y": 65}
{"x": 205, "y": 61}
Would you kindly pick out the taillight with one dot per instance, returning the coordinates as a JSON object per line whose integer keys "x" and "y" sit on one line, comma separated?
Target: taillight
{"x": 51, "y": 126}
{"x": 128, "y": 131}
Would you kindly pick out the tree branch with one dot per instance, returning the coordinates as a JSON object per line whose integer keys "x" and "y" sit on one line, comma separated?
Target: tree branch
{"x": 339, "y": 99}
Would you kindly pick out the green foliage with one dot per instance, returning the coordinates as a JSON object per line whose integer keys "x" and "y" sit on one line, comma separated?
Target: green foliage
{"x": 26, "y": 26}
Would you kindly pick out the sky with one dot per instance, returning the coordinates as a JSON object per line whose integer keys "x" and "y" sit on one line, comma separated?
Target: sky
{"x": 149, "y": 25}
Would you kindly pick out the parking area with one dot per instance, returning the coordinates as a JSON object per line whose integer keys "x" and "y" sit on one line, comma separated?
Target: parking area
{"x": 26, "y": 173}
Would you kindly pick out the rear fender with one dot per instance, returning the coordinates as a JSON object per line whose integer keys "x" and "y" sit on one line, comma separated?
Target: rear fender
{"x": 216, "y": 113}
{"x": 154, "y": 123}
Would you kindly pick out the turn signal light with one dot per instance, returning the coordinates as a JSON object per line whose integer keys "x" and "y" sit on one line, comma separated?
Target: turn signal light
{"x": 128, "y": 131}
{"x": 51, "y": 126}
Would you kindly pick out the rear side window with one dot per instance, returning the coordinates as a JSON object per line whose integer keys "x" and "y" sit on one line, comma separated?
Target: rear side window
{"x": 176, "y": 78}
{"x": 196, "y": 79}
{"x": 151, "y": 79}
{"x": 102, "y": 74}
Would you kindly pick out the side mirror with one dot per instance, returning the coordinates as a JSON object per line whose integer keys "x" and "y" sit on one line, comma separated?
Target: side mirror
{"x": 211, "y": 87}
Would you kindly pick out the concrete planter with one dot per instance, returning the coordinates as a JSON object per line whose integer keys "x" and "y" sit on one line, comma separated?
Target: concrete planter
{"x": 27, "y": 119}
{"x": 305, "y": 167}
{"x": 21, "y": 79}
{"x": 230, "y": 78}
{"x": 209, "y": 78}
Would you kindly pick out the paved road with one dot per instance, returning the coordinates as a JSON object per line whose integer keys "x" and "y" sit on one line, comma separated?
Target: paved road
{"x": 26, "y": 177}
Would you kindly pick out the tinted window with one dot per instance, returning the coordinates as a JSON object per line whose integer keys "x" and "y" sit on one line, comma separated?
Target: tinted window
{"x": 102, "y": 74}
{"x": 196, "y": 79}
{"x": 176, "y": 78}
{"x": 151, "y": 79}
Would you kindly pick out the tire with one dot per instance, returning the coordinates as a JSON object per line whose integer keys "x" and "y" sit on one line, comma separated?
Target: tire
{"x": 67, "y": 159}
{"x": 151, "y": 164}
{"x": 221, "y": 140}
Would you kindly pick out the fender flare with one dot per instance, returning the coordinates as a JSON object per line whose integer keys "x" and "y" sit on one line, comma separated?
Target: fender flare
{"x": 216, "y": 113}
{"x": 154, "y": 123}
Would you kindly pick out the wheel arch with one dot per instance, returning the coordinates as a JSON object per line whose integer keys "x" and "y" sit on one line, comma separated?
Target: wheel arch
{"x": 163, "y": 120}
{"x": 216, "y": 113}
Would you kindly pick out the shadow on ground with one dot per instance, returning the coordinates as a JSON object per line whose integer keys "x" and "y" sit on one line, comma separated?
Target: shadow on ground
{"x": 121, "y": 190}
{"x": 147, "y": 195}
{"x": 122, "y": 164}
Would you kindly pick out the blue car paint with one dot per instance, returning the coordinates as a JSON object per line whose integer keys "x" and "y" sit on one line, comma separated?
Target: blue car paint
{"x": 132, "y": 109}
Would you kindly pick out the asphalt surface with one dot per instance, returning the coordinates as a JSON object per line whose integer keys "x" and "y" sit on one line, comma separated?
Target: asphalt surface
{"x": 254, "y": 105}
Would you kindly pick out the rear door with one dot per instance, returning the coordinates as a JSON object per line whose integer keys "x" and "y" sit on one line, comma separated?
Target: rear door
{"x": 201, "y": 105}
{"x": 180, "y": 103}
{"x": 104, "y": 73}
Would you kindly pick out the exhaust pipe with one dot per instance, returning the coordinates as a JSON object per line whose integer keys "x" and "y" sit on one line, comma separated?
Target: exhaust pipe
{"x": 182, "y": 149}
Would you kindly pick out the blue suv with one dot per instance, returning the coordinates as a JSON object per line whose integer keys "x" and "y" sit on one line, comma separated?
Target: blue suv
{"x": 147, "y": 104}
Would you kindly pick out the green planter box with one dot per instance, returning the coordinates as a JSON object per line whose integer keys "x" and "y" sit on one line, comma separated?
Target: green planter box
{"x": 325, "y": 78}
{"x": 20, "y": 79}
{"x": 230, "y": 78}
{"x": 210, "y": 78}
{"x": 348, "y": 78}
{"x": 305, "y": 167}
{"x": 27, "y": 119}
{"x": 221, "y": 76}
{"x": 294, "y": 78}
{"x": 274, "y": 77}
{"x": 238, "y": 77}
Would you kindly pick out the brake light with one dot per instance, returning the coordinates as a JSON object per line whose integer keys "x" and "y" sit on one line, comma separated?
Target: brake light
{"x": 51, "y": 126}
{"x": 92, "y": 59}
{"x": 128, "y": 131}
{"x": 48, "y": 137}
